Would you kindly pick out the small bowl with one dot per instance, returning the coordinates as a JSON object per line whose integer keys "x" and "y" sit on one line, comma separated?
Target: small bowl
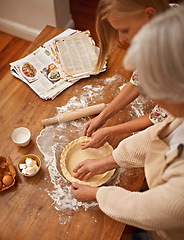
{"x": 21, "y": 136}
{"x": 33, "y": 157}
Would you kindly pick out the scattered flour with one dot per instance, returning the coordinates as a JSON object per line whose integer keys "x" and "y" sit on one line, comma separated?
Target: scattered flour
{"x": 112, "y": 79}
{"x": 139, "y": 106}
{"x": 77, "y": 102}
{"x": 51, "y": 143}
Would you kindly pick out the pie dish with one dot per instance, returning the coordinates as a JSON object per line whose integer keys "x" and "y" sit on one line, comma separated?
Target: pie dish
{"x": 72, "y": 155}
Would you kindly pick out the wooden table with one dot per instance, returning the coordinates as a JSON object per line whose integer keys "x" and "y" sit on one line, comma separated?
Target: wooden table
{"x": 26, "y": 210}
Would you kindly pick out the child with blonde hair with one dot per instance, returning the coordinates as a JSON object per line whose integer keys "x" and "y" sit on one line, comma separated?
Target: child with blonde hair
{"x": 117, "y": 22}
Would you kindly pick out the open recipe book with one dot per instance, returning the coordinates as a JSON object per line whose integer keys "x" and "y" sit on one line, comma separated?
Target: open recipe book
{"x": 58, "y": 64}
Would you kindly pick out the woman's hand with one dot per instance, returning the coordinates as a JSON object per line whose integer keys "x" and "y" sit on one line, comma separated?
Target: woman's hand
{"x": 84, "y": 193}
{"x": 99, "y": 138}
{"x": 91, "y": 167}
{"x": 91, "y": 126}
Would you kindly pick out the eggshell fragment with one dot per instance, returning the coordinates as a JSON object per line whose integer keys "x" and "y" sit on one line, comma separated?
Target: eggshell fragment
{"x": 7, "y": 180}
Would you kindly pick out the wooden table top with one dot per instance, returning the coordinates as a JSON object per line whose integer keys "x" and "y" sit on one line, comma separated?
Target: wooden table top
{"x": 28, "y": 209}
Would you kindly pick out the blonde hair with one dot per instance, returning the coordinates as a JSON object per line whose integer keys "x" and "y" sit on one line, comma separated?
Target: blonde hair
{"x": 157, "y": 52}
{"x": 107, "y": 35}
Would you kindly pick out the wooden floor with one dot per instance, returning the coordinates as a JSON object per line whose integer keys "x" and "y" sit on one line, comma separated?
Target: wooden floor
{"x": 11, "y": 49}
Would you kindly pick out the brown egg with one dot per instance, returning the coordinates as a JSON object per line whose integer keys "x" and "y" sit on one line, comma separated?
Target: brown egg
{"x": 7, "y": 180}
{"x": 1, "y": 184}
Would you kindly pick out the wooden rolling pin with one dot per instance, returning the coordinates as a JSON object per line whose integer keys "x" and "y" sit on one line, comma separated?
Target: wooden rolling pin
{"x": 68, "y": 116}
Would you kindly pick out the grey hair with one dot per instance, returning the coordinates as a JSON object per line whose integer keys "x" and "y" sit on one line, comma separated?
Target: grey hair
{"x": 157, "y": 52}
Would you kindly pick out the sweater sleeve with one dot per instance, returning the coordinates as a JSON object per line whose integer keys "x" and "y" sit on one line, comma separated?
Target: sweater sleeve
{"x": 131, "y": 152}
{"x": 156, "y": 209}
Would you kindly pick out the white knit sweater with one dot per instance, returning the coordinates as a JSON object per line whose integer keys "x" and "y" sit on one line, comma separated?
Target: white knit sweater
{"x": 161, "y": 208}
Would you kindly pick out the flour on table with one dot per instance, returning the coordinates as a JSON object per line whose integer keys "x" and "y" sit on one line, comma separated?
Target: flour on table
{"x": 77, "y": 102}
{"x": 138, "y": 107}
{"x": 112, "y": 79}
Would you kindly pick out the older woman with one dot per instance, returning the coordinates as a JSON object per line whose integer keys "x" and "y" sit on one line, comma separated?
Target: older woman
{"x": 158, "y": 55}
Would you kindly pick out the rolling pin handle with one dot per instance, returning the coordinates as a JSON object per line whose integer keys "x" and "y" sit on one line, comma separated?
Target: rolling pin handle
{"x": 49, "y": 121}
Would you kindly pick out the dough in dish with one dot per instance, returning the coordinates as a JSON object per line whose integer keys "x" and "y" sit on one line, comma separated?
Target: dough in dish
{"x": 72, "y": 155}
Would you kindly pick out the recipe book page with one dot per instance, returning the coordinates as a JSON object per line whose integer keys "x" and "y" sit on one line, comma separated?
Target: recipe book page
{"x": 77, "y": 54}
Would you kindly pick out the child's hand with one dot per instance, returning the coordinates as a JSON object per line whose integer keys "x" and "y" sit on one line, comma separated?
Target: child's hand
{"x": 91, "y": 126}
{"x": 84, "y": 193}
{"x": 99, "y": 138}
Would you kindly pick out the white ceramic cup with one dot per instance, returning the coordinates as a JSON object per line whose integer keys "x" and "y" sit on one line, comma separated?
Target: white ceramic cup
{"x": 21, "y": 136}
